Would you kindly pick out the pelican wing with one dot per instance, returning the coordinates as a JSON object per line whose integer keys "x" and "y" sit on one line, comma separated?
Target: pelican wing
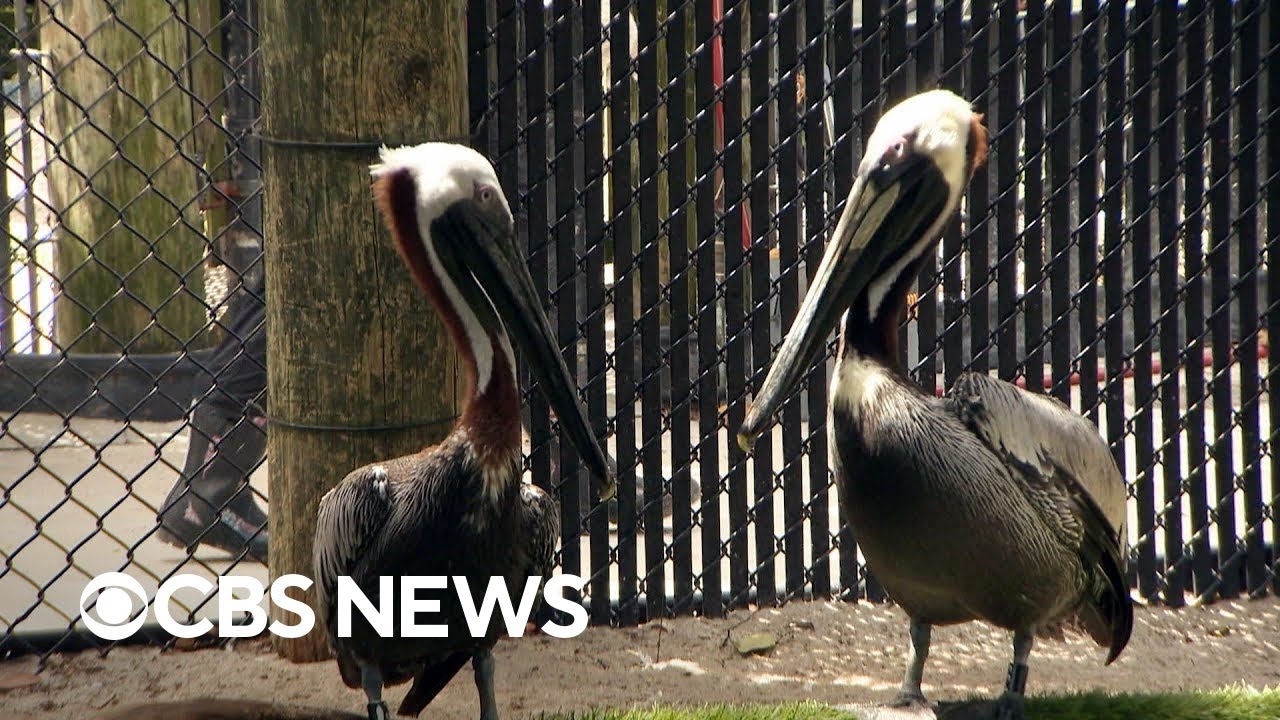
{"x": 1038, "y": 431}
{"x": 350, "y": 519}
{"x": 1071, "y": 478}
{"x": 541, "y": 522}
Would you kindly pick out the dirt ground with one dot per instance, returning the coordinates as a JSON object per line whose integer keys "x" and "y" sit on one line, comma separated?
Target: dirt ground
{"x": 834, "y": 653}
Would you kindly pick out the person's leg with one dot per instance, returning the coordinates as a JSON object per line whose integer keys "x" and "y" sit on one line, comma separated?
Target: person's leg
{"x": 212, "y": 502}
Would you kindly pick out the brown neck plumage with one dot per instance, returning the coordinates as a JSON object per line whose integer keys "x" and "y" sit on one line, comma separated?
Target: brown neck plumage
{"x": 492, "y": 418}
{"x": 873, "y": 333}
{"x": 492, "y": 415}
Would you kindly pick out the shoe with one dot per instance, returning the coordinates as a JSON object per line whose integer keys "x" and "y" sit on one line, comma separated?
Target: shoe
{"x": 228, "y": 531}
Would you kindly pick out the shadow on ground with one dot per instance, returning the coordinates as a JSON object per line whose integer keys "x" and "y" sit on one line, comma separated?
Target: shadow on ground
{"x": 215, "y": 709}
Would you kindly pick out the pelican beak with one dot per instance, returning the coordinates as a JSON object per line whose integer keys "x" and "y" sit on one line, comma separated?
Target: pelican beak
{"x": 888, "y": 210}
{"x": 490, "y": 254}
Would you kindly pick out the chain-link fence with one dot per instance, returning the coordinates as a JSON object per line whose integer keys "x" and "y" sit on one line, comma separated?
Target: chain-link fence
{"x": 675, "y": 170}
{"x": 131, "y": 303}
{"x": 678, "y": 166}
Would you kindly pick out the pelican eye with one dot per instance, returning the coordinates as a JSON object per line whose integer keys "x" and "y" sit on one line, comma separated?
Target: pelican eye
{"x": 898, "y": 152}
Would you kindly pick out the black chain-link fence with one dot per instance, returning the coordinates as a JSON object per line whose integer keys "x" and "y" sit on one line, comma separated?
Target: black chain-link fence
{"x": 675, "y": 169}
{"x": 131, "y": 318}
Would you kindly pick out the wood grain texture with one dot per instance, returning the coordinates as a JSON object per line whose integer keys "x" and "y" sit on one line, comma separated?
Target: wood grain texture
{"x": 352, "y": 342}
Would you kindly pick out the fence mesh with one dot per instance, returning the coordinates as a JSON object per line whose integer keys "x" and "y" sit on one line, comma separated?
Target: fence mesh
{"x": 675, "y": 169}
{"x": 131, "y": 318}
{"x": 678, "y": 165}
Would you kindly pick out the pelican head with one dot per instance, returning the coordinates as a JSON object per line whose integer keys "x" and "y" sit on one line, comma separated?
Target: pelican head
{"x": 453, "y": 227}
{"x": 918, "y": 161}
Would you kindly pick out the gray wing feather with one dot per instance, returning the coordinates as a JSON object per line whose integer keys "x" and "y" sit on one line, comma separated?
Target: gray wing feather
{"x": 1071, "y": 478}
{"x": 350, "y": 518}
{"x": 1038, "y": 431}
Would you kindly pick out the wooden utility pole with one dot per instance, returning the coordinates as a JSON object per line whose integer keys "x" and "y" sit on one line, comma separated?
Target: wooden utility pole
{"x": 359, "y": 367}
{"x": 129, "y": 83}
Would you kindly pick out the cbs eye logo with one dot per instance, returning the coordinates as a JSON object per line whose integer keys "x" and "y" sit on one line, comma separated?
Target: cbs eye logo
{"x": 114, "y": 606}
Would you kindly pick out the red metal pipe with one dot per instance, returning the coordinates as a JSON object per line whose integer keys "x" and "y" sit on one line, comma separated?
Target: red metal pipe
{"x": 717, "y": 77}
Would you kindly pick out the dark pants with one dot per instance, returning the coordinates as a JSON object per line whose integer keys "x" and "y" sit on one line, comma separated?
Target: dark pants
{"x": 212, "y": 502}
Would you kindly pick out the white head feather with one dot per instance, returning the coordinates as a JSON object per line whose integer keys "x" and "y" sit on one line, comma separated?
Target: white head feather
{"x": 443, "y": 174}
{"x": 937, "y": 124}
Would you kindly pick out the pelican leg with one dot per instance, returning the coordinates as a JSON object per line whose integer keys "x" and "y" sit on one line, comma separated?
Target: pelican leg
{"x": 371, "y": 681}
{"x": 910, "y": 694}
{"x": 1010, "y": 705}
{"x": 482, "y": 662}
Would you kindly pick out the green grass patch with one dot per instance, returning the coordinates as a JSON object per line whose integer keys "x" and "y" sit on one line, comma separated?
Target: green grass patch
{"x": 1235, "y": 703}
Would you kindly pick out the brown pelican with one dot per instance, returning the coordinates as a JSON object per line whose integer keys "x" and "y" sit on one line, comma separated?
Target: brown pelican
{"x": 988, "y": 504}
{"x": 457, "y": 508}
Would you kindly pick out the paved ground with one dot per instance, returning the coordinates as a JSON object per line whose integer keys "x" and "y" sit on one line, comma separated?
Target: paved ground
{"x": 58, "y": 480}
{"x": 830, "y": 652}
